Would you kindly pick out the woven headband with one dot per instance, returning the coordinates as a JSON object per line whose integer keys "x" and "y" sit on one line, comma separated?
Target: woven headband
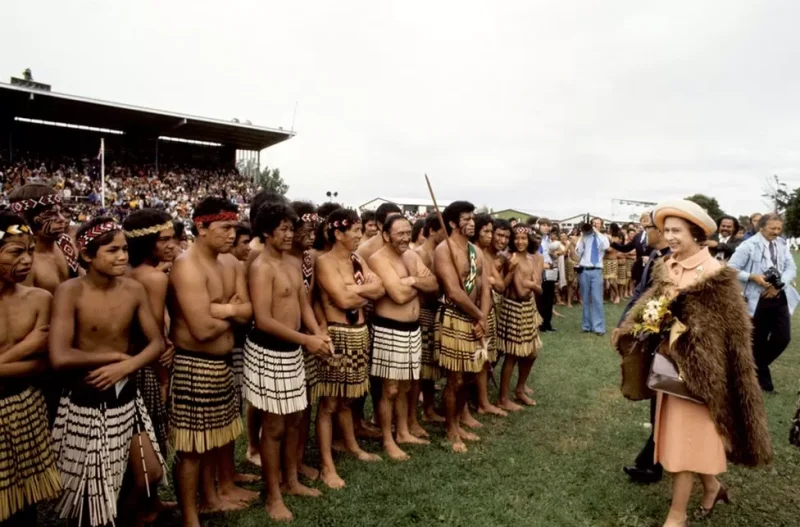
{"x": 309, "y": 218}
{"x": 15, "y": 230}
{"x": 34, "y": 203}
{"x": 98, "y": 230}
{"x": 523, "y": 228}
{"x": 147, "y": 231}
{"x": 208, "y": 219}
{"x": 343, "y": 223}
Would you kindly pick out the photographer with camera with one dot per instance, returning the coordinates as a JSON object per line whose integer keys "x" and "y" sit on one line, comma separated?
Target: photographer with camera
{"x": 590, "y": 248}
{"x": 766, "y": 270}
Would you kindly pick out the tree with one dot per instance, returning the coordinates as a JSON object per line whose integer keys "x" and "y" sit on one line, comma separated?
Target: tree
{"x": 271, "y": 180}
{"x": 711, "y": 205}
{"x": 791, "y": 224}
{"x": 266, "y": 179}
{"x": 777, "y": 194}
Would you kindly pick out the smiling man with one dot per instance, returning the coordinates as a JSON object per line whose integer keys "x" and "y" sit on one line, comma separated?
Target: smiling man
{"x": 397, "y": 338}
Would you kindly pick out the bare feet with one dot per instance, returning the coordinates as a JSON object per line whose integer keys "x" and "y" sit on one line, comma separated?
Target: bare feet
{"x": 524, "y": 399}
{"x": 456, "y": 443}
{"x": 528, "y": 390}
{"x": 163, "y": 506}
{"x": 366, "y": 456}
{"x": 308, "y": 472}
{"x": 468, "y": 420}
{"x": 279, "y": 512}
{"x": 299, "y": 489}
{"x": 237, "y": 494}
{"x": 508, "y": 405}
{"x": 432, "y": 417}
{"x": 338, "y": 445}
{"x": 394, "y": 452}
{"x": 254, "y": 457}
{"x": 245, "y": 478}
{"x": 331, "y": 479}
{"x": 417, "y": 430}
{"x": 411, "y": 439}
{"x": 468, "y": 436}
{"x": 492, "y": 410}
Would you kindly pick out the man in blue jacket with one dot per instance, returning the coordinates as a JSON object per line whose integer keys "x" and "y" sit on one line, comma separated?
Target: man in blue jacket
{"x": 766, "y": 270}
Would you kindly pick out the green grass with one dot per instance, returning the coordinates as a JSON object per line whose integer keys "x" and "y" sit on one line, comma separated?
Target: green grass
{"x": 559, "y": 463}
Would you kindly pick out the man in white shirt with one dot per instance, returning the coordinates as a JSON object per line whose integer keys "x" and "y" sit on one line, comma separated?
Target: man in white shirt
{"x": 590, "y": 248}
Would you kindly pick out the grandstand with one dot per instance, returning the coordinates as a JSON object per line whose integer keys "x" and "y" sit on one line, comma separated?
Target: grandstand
{"x": 152, "y": 157}
{"x": 79, "y": 122}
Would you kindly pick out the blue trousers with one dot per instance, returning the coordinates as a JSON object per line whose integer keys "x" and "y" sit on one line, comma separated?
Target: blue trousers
{"x": 591, "y": 282}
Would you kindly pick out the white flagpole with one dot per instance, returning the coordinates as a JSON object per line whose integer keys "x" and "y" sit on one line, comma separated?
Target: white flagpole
{"x": 103, "y": 171}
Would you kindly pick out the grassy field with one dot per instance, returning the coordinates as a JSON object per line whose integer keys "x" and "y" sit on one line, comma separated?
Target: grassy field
{"x": 559, "y": 463}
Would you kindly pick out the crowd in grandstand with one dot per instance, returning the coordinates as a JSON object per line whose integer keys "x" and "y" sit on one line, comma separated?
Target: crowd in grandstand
{"x": 173, "y": 188}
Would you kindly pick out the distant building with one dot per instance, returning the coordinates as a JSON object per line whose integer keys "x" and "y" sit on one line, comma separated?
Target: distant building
{"x": 414, "y": 206}
{"x": 521, "y": 215}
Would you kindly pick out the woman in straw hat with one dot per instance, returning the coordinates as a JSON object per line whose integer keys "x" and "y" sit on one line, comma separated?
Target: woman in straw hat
{"x": 707, "y": 336}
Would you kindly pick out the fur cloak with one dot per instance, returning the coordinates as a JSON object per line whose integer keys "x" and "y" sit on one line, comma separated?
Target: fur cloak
{"x": 714, "y": 356}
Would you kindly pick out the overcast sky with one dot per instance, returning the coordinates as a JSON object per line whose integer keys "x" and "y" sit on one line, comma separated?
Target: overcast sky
{"x": 556, "y": 106}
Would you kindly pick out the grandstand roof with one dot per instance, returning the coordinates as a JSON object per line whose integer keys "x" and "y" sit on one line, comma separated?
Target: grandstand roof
{"x": 31, "y": 103}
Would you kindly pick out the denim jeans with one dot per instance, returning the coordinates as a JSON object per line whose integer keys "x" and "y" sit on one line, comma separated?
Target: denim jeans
{"x": 591, "y": 282}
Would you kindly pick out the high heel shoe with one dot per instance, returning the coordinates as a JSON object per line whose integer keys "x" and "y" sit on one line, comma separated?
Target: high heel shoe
{"x": 722, "y": 495}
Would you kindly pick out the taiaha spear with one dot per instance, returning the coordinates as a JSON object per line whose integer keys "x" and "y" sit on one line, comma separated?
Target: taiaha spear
{"x": 483, "y": 349}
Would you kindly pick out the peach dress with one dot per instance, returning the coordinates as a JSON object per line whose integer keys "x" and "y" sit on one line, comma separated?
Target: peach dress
{"x": 686, "y": 438}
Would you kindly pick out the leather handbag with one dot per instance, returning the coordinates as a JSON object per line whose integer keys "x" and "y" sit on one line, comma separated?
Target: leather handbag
{"x": 634, "y": 367}
{"x": 665, "y": 377}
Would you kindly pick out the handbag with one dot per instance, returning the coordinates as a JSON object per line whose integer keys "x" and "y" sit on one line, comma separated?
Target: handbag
{"x": 551, "y": 275}
{"x": 665, "y": 377}
{"x": 634, "y": 367}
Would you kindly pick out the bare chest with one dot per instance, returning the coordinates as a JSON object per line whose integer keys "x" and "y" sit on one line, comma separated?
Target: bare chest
{"x": 49, "y": 271}
{"x": 286, "y": 281}
{"x": 220, "y": 282}
{"x": 17, "y": 319}
{"x": 104, "y": 314}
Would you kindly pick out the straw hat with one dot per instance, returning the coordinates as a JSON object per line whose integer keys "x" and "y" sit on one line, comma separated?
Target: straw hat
{"x": 688, "y": 210}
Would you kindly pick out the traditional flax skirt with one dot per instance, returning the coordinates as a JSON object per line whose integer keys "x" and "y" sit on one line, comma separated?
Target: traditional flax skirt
{"x": 347, "y": 374}
{"x": 274, "y": 374}
{"x": 610, "y": 271}
{"x": 237, "y": 357}
{"x": 518, "y": 328}
{"x": 202, "y": 406}
{"x": 624, "y": 271}
{"x": 92, "y": 436}
{"x": 28, "y": 471}
{"x": 456, "y": 342}
{"x": 396, "y": 349}
{"x": 429, "y": 362}
{"x": 150, "y": 390}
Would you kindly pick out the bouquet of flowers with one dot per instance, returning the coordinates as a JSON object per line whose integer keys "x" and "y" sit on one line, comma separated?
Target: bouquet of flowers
{"x": 655, "y": 319}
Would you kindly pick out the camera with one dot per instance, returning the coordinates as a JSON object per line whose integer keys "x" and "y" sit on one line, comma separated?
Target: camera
{"x": 586, "y": 227}
{"x": 773, "y": 278}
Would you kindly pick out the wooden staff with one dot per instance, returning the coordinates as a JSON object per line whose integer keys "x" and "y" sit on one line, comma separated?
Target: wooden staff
{"x": 453, "y": 258}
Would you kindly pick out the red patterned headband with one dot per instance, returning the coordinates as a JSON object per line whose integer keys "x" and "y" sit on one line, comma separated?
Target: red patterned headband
{"x": 343, "y": 223}
{"x": 522, "y": 228}
{"x": 34, "y": 203}
{"x": 98, "y": 230}
{"x": 309, "y": 218}
{"x": 208, "y": 219}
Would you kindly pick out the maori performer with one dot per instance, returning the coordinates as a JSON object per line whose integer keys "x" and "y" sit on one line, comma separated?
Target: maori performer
{"x": 207, "y": 295}
{"x": 102, "y": 428}
{"x": 56, "y": 259}
{"x": 429, "y": 372}
{"x": 28, "y": 473}
{"x": 396, "y": 335}
{"x": 518, "y": 319}
{"x": 274, "y": 371}
{"x": 461, "y": 323}
{"x": 346, "y": 285}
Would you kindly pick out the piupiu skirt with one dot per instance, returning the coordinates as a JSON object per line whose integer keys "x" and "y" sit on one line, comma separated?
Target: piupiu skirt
{"x": 457, "y": 344}
{"x": 274, "y": 374}
{"x": 347, "y": 373}
{"x": 396, "y": 349}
